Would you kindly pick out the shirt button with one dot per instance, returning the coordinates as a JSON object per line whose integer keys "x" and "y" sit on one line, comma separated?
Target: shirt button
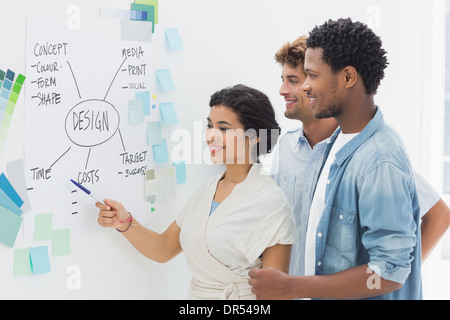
{"x": 329, "y": 182}
{"x": 319, "y": 263}
{"x": 320, "y": 235}
{"x": 341, "y": 217}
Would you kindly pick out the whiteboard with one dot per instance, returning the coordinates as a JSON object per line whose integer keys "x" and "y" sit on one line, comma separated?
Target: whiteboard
{"x": 225, "y": 43}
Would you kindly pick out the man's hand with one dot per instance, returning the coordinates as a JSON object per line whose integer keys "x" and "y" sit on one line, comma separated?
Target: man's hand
{"x": 270, "y": 284}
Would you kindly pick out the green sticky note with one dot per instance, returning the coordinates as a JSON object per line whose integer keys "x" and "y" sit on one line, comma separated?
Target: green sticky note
{"x": 43, "y": 227}
{"x": 9, "y": 226}
{"x": 2, "y": 75}
{"x": 22, "y": 262}
{"x": 61, "y": 242}
{"x": 20, "y": 79}
{"x": 150, "y": 12}
{"x": 150, "y": 3}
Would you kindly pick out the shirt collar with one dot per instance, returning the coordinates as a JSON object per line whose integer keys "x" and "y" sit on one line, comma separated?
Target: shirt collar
{"x": 349, "y": 148}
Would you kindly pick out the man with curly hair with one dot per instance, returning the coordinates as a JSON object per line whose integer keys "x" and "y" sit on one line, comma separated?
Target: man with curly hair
{"x": 363, "y": 235}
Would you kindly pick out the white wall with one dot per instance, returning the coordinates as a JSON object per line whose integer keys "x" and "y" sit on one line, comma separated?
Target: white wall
{"x": 226, "y": 42}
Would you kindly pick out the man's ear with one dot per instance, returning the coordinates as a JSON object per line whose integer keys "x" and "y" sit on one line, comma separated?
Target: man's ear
{"x": 350, "y": 76}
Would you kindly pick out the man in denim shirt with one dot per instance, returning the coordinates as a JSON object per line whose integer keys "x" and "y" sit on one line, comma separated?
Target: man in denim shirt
{"x": 367, "y": 235}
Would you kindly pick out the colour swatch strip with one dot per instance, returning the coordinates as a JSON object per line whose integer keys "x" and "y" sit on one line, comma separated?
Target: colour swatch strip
{"x": 9, "y": 95}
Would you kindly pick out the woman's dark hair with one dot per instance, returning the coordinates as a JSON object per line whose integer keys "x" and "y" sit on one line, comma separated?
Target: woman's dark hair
{"x": 346, "y": 43}
{"x": 254, "y": 111}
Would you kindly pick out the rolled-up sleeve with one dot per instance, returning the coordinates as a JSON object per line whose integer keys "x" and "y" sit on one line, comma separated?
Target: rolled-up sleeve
{"x": 388, "y": 208}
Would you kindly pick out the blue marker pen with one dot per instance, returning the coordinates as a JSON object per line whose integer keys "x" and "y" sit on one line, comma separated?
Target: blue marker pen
{"x": 87, "y": 191}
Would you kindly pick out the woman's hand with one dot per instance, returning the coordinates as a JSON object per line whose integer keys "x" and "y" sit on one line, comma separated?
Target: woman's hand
{"x": 111, "y": 213}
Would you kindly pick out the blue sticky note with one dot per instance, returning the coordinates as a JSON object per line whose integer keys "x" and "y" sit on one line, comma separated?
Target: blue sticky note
{"x": 9, "y": 226}
{"x": 161, "y": 153}
{"x": 174, "y": 40}
{"x": 7, "y": 203}
{"x": 165, "y": 80}
{"x": 135, "y": 112}
{"x": 181, "y": 171}
{"x": 154, "y": 134}
{"x": 168, "y": 113}
{"x": 9, "y": 190}
{"x": 145, "y": 97}
{"x": 40, "y": 262}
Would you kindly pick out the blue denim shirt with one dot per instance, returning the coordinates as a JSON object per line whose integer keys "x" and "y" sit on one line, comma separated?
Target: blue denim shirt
{"x": 371, "y": 211}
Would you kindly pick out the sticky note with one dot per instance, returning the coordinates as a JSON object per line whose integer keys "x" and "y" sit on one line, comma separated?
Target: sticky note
{"x": 145, "y": 97}
{"x": 43, "y": 227}
{"x": 6, "y": 202}
{"x": 150, "y": 13}
{"x": 135, "y": 30}
{"x": 165, "y": 80}
{"x": 180, "y": 171}
{"x": 161, "y": 153}
{"x": 135, "y": 112}
{"x": 168, "y": 113}
{"x": 174, "y": 40}
{"x": 150, "y": 3}
{"x": 154, "y": 134}
{"x": 16, "y": 174}
{"x": 2, "y": 75}
{"x": 9, "y": 226}
{"x": 22, "y": 262}
{"x": 10, "y": 191}
{"x": 40, "y": 262}
{"x": 61, "y": 242}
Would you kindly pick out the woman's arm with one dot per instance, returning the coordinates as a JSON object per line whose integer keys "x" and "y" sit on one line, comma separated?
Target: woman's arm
{"x": 158, "y": 247}
{"x": 278, "y": 257}
{"x": 434, "y": 225}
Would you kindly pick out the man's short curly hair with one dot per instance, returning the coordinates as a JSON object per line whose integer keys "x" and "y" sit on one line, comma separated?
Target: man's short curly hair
{"x": 346, "y": 43}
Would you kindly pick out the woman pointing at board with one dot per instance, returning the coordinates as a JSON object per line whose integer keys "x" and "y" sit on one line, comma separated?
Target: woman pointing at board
{"x": 238, "y": 221}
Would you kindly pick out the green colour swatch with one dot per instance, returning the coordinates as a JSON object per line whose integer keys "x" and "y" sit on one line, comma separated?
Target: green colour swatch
{"x": 20, "y": 79}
